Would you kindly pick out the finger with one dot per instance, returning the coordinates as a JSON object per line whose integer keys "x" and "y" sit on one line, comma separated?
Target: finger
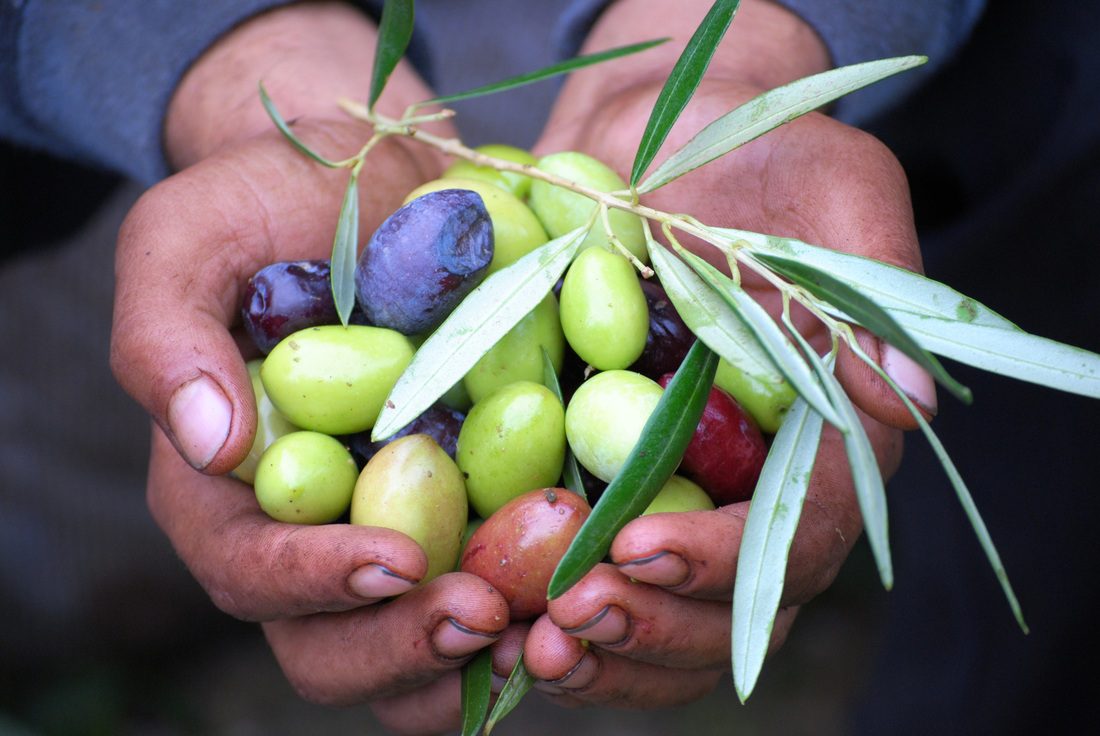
{"x": 695, "y": 553}
{"x": 384, "y": 650}
{"x": 574, "y": 675}
{"x": 872, "y": 394}
{"x": 506, "y": 651}
{"x": 255, "y": 568}
{"x": 184, "y": 254}
{"x": 432, "y": 709}
{"x": 643, "y": 622}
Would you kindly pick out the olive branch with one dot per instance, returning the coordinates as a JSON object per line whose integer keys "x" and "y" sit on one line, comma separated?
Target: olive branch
{"x": 919, "y": 316}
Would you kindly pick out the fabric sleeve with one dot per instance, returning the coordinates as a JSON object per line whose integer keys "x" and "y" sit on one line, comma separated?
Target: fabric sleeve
{"x": 864, "y": 30}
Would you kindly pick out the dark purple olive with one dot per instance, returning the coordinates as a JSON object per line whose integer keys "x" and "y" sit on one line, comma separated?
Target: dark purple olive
{"x": 669, "y": 339}
{"x": 440, "y": 422}
{"x": 424, "y": 259}
{"x": 286, "y": 297}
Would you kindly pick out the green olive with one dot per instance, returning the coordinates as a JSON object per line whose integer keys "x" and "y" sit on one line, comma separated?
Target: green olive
{"x": 270, "y": 426}
{"x": 509, "y": 181}
{"x": 516, "y": 230}
{"x": 334, "y": 379}
{"x": 412, "y": 485}
{"x": 679, "y": 494}
{"x": 512, "y": 441}
{"x": 603, "y": 310}
{"x": 518, "y": 355}
{"x": 767, "y": 402}
{"x": 605, "y": 418}
{"x": 305, "y": 478}
{"x": 561, "y": 210}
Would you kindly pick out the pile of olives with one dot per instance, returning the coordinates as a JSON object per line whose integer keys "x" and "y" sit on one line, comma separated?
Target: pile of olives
{"x": 493, "y": 447}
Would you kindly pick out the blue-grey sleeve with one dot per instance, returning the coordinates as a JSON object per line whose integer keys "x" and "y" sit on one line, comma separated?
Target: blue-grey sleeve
{"x": 864, "y": 30}
{"x": 91, "y": 79}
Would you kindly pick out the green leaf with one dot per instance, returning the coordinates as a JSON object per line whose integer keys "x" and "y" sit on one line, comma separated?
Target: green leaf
{"x": 345, "y": 245}
{"x": 767, "y": 333}
{"x": 477, "y": 680}
{"x": 648, "y": 467}
{"x": 682, "y": 82}
{"x": 865, "y": 312}
{"x": 711, "y": 319}
{"x": 1013, "y": 353}
{"x": 519, "y": 684}
{"x": 284, "y": 128}
{"x": 394, "y": 33}
{"x": 477, "y": 323}
{"x": 553, "y": 70}
{"x": 961, "y": 491}
{"x": 570, "y": 473}
{"x": 766, "y": 541}
{"x": 888, "y": 286}
{"x": 770, "y": 110}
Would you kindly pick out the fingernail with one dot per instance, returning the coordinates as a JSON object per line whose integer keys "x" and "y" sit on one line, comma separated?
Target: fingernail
{"x": 665, "y": 569}
{"x": 374, "y": 582}
{"x": 910, "y": 378}
{"x": 609, "y": 626}
{"x": 199, "y": 416}
{"x": 581, "y": 676}
{"x": 452, "y": 640}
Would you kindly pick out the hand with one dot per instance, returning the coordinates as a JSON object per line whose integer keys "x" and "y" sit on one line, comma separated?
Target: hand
{"x": 244, "y": 198}
{"x": 815, "y": 179}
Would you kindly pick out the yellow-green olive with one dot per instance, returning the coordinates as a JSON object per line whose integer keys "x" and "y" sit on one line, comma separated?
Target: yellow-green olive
{"x": 605, "y": 418}
{"x": 334, "y": 379}
{"x": 518, "y": 355}
{"x": 561, "y": 210}
{"x": 603, "y": 310}
{"x": 509, "y": 181}
{"x": 512, "y": 441}
{"x": 412, "y": 485}
{"x": 679, "y": 494}
{"x": 305, "y": 478}
{"x": 766, "y": 401}
{"x": 270, "y": 426}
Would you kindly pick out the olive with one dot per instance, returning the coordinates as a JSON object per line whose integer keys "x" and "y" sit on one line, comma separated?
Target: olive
{"x": 270, "y": 426}
{"x": 679, "y": 494}
{"x": 518, "y": 355}
{"x": 305, "y": 478}
{"x": 605, "y": 418}
{"x": 509, "y": 181}
{"x": 767, "y": 402}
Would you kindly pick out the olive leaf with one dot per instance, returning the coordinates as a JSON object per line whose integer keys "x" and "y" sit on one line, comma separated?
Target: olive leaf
{"x": 966, "y": 500}
{"x": 766, "y": 541}
{"x": 865, "y": 312}
{"x": 768, "y": 111}
{"x": 768, "y": 335}
{"x": 648, "y": 467}
{"x": 570, "y": 473}
{"x": 345, "y": 244}
{"x": 519, "y": 683}
{"x": 562, "y": 67}
{"x": 483, "y": 317}
{"x": 395, "y": 30}
{"x": 477, "y": 680}
{"x": 284, "y": 128}
{"x": 682, "y": 82}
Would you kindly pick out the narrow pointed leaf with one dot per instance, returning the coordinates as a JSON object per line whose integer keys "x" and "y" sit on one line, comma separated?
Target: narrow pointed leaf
{"x": 766, "y": 541}
{"x": 770, "y": 110}
{"x": 866, "y": 477}
{"x": 476, "y": 692}
{"x": 865, "y": 312}
{"x": 519, "y": 683}
{"x": 1013, "y": 353}
{"x": 682, "y": 82}
{"x": 284, "y": 128}
{"x": 477, "y": 323}
{"x": 394, "y": 33}
{"x": 963, "y": 494}
{"x": 570, "y": 473}
{"x": 553, "y": 70}
{"x": 650, "y": 464}
{"x": 785, "y": 356}
{"x": 344, "y": 251}
{"x": 888, "y": 286}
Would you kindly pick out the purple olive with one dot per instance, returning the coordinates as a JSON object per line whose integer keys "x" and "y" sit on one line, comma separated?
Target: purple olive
{"x": 669, "y": 339}
{"x": 440, "y": 422}
{"x": 286, "y": 297}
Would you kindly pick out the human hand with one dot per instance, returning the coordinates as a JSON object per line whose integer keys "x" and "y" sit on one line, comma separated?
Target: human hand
{"x": 244, "y": 198}
{"x": 815, "y": 179}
